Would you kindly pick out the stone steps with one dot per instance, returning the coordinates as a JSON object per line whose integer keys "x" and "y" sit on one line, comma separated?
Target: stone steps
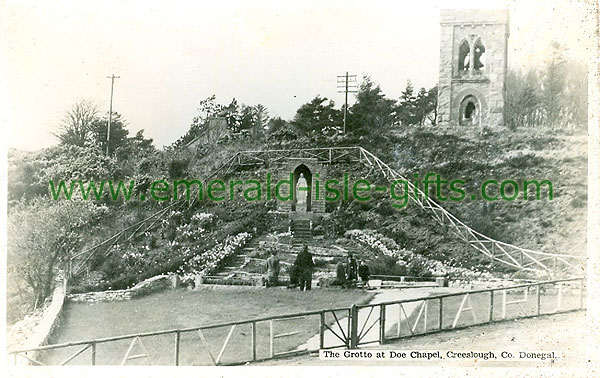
{"x": 301, "y": 230}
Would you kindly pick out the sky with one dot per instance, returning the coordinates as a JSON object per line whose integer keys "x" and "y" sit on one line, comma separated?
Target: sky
{"x": 171, "y": 55}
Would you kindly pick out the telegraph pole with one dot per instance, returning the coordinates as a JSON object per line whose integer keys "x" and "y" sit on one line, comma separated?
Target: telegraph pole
{"x": 112, "y": 85}
{"x": 347, "y": 84}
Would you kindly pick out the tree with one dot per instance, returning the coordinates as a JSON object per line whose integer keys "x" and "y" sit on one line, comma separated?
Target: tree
{"x": 131, "y": 153}
{"x": 118, "y": 132}
{"x": 576, "y": 94}
{"x": 406, "y": 111}
{"x": 432, "y": 97}
{"x": 247, "y": 118}
{"x": 372, "y": 110}
{"x": 42, "y": 237}
{"x": 262, "y": 117}
{"x": 75, "y": 126}
{"x": 232, "y": 114}
{"x": 207, "y": 108}
{"x": 317, "y": 115}
{"x": 553, "y": 85}
{"x": 23, "y": 175}
{"x": 552, "y": 96}
{"x": 75, "y": 163}
{"x": 275, "y": 124}
{"x": 426, "y": 106}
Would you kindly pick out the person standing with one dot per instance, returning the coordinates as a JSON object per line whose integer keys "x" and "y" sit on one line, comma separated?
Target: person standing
{"x": 351, "y": 270}
{"x": 364, "y": 274}
{"x": 273, "y": 269}
{"x": 305, "y": 264}
{"x": 340, "y": 273}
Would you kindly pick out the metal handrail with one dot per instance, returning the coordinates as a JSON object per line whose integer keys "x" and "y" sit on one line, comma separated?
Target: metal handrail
{"x": 357, "y": 336}
{"x": 438, "y": 296}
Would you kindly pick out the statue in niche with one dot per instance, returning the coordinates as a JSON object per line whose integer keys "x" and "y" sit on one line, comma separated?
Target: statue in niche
{"x": 301, "y": 193}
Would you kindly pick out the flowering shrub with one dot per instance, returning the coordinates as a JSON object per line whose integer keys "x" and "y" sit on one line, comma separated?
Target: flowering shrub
{"x": 415, "y": 263}
{"x": 208, "y": 261}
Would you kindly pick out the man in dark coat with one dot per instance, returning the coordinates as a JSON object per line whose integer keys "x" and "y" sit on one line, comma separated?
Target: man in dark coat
{"x": 305, "y": 264}
{"x": 351, "y": 270}
{"x": 364, "y": 274}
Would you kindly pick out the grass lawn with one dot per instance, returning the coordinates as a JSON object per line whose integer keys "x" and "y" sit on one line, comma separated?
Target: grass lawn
{"x": 183, "y": 308}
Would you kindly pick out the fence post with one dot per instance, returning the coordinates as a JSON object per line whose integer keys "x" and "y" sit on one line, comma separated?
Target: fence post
{"x": 253, "y": 341}
{"x": 441, "y": 313}
{"x": 504, "y": 304}
{"x": 93, "y": 353}
{"x": 400, "y": 308}
{"x": 559, "y": 298}
{"x": 382, "y": 324}
{"x": 539, "y": 299}
{"x": 349, "y": 327}
{"x": 321, "y": 329}
{"x": 491, "y": 317}
{"x": 271, "y": 349}
{"x": 353, "y": 327}
{"x": 581, "y": 294}
{"x": 177, "y": 339}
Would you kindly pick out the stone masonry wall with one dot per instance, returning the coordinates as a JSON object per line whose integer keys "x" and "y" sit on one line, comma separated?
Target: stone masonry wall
{"x": 148, "y": 286}
{"x": 486, "y": 85}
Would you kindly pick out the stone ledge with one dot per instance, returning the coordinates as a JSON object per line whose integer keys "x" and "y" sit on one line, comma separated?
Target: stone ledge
{"x": 34, "y": 331}
{"x": 151, "y": 285}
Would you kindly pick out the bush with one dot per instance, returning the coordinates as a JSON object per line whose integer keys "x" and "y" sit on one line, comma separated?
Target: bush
{"x": 386, "y": 265}
{"x": 418, "y": 268}
{"x": 178, "y": 168}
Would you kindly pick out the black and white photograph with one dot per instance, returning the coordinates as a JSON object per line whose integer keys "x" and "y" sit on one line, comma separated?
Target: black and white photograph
{"x": 271, "y": 188}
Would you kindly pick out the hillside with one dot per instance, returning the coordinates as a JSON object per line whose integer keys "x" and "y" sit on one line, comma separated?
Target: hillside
{"x": 207, "y": 235}
{"x": 556, "y": 225}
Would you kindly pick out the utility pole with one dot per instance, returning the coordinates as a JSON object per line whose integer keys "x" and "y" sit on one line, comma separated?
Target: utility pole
{"x": 112, "y": 85}
{"x": 346, "y": 84}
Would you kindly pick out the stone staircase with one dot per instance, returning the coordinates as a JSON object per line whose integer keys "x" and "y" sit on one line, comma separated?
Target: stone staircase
{"x": 301, "y": 232}
{"x": 249, "y": 265}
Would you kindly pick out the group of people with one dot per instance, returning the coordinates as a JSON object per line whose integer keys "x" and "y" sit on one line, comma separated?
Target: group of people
{"x": 300, "y": 273}
{"x": 347, "y": 272}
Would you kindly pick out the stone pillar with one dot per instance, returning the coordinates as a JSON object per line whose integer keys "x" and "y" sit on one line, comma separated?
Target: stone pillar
{"x": 472, "y": 55}
{"x": 176, "y": 281}
{"x": 198, "y": 280}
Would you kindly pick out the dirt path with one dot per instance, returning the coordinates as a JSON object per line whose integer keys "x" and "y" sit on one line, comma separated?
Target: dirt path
{"x": 564, "y": 333}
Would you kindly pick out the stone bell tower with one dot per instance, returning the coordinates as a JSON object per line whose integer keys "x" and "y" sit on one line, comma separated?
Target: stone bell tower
{"x": 473, "y": 67}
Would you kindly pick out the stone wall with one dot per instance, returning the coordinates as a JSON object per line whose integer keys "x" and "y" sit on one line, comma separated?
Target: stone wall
{"x": 34, "y": 330}
{"x": 151, "y": 285}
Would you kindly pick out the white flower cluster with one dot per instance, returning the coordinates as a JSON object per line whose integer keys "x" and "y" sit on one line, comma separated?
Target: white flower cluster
{"x": 202, "y": 217}
{"x": 378, "y": 243}
{"x": 208, "y": 261}
{"x": 188, "y": 231}
{"x": 133, "y": 255}
{"x": 389, "y": 247}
